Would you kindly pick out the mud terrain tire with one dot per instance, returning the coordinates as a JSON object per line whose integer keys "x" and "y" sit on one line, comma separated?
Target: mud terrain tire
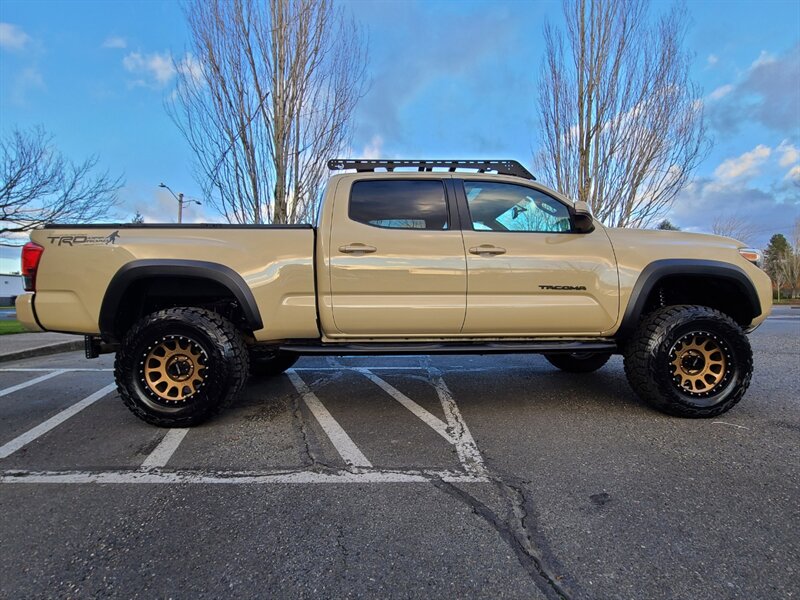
{"x": 179, "y": 366}
{"x": 689, "y": 361}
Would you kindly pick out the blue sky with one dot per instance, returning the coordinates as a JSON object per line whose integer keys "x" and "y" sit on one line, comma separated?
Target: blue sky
{"x": 447, "y": 79}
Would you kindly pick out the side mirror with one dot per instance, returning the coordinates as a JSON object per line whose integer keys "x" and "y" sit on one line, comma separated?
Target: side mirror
{"x": 582, "y": 217}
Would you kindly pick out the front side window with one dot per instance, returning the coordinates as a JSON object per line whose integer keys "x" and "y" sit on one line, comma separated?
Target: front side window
{"x": 507, "y": 207}
{"x": 399, "y": 204}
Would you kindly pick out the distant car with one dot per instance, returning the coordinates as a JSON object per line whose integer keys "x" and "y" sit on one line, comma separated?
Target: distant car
{"x": 402, "y": 262}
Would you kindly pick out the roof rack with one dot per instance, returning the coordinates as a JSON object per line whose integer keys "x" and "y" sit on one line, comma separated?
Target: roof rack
{"x": 366, "y": 165}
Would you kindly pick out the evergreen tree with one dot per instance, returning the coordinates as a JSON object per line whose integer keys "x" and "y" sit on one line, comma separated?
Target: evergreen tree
{"x": 667, "y": 225}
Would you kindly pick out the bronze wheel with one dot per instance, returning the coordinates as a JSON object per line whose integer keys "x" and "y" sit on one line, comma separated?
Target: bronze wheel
{"x": 178, "y": 366}
{"x": 690, "y": 361}
{"x": 175, "y": 368}
{"x": 699, "y": 363}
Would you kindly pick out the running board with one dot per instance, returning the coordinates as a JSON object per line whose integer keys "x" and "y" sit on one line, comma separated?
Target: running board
{"x": 382, "y": 348}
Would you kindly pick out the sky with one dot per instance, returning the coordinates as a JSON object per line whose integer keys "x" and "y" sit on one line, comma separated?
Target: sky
{"x": 447, "y": 79}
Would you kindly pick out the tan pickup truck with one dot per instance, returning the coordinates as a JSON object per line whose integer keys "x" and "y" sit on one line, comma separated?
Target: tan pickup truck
{"x": 417, "y": 257}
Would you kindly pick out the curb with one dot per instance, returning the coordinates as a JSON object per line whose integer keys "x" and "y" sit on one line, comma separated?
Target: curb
{"x": 42, "y": 351}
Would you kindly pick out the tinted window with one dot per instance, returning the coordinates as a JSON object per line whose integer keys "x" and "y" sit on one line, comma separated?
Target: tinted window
{"x": 508, "y": 207}
{"x": 399, "y": 204}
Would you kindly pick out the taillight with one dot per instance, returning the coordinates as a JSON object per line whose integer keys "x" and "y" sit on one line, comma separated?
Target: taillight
{"x": 31, "y": 255}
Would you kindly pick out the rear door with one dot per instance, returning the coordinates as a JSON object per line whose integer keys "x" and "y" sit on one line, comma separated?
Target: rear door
{"x": 529, "y": 273}
{"x": 397, "y": 263}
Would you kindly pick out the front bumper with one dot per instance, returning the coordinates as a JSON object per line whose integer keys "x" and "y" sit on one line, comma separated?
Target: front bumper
{"x": 25, "y": 312}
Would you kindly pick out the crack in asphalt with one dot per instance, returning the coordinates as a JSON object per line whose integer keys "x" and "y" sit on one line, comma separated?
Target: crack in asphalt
{"x": 519, "y": 531}
{"x": 518, "y": 534}
{"x": 342, "y": 548}
{"x": 314, "y": 460}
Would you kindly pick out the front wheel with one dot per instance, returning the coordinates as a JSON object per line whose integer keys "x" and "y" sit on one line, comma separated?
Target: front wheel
{"x": 177, "y": 367}
{"x": 579, "y": 362}
{"x": 689, "y": 361}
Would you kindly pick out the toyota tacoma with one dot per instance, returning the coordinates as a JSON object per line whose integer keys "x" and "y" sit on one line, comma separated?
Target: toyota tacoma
{"x": 407, "y": 257}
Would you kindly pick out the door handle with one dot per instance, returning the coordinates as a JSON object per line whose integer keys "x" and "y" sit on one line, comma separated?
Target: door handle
{"x": 487, "y": 249}
{"x": 357, "y": 249}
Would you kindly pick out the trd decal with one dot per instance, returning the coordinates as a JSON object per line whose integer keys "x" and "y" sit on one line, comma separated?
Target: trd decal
{"x": 82, "y": 240}
{"x": 570, "y": 288}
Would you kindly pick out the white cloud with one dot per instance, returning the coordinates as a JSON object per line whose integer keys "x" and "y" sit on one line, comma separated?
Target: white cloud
{"x": 28, "y": 80}
{"x": 793, "y": 174}
{"x": 156, "y": 67}
{"x": 12, "y": 37}
{"x": 115, "y": 41}
{"x": 764, "y": 58}
{"x": 720, "y": 92}
{"x": 746, "y": 165}
{"x": 192, "y": 68}
{"x": 789, "y": 153}
{"x": 765, "y": 93}
{"x": 374, "y": 148}
{"x": 712, "y": 60}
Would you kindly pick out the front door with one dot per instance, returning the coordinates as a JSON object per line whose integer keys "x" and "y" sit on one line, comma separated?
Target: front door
{"x": 529, "y": 274}
{"x": 397, "y": 266}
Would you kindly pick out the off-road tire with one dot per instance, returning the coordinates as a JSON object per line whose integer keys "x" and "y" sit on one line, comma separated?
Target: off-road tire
{"x": 650, "y": 355}
{"x": 222, "y": 361}
{"x": 578, "y": 362}
{"x": 269, "y": 363}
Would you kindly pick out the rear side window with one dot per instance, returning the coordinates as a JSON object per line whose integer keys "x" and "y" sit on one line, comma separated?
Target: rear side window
{"x": 399, "y": 204}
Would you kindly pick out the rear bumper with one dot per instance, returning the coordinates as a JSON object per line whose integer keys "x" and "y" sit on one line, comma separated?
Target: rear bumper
{"x": 26, "y": 313}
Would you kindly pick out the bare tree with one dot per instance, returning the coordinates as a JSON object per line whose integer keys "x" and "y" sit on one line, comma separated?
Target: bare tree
{"x": 265, "y": 100}
{"x": 621, "y": 123}
{"x": 38, "y": 185}
{"x": 734, "y": 226}
{"x": 789, "y": 263}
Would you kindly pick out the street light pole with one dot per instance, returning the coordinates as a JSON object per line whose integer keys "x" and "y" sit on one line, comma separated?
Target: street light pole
{"x": 179, "y": 198}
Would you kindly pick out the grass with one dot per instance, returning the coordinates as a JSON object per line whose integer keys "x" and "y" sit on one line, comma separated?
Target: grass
{"x": 11, "y": 326}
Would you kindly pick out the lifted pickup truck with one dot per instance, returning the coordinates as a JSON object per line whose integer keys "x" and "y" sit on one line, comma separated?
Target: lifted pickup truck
{"x": 407, "y": 257}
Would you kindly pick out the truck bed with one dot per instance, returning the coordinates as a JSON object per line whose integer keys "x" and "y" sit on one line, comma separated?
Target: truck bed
{"x": 80, "y": 262}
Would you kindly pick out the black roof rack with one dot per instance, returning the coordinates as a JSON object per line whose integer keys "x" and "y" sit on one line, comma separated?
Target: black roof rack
{"x": 366, "y": 165}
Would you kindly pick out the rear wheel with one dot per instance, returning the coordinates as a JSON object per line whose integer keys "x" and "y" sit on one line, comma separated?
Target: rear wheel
{"x": 270, "y": 362}
{"x": 579, "y": 362}
{"x": 689, "y": 361}
{"x": 177, "y": 367}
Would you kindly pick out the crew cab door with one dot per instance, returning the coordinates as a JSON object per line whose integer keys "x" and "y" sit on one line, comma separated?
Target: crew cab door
{"x": 397, "y": 265}
{"x": 529, "y": 272}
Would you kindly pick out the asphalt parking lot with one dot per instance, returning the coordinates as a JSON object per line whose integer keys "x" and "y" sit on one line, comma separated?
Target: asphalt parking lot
{"x": 465, "y": 476}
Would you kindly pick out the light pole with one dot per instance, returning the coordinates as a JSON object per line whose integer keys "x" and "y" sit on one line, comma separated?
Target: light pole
{"x": 179, "y": 198}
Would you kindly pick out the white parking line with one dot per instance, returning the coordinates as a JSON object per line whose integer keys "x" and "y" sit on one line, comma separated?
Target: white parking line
{"x": 160, "y": 456}
{"x": 234, "y": 477}
{"x": 18, "y": 442}
{"x": 467, "y": 449}
{"x": 432, "y": 421}
{"x": 338, "y": 436}
{"x": 34, "y": 381}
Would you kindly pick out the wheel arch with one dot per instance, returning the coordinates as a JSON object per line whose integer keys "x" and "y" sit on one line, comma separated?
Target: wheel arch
{"x": 719, "y": 285}
{"x": 148, "y": 271}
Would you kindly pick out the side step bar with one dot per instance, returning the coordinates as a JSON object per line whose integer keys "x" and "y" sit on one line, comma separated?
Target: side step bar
{"x": 374, "y": 349}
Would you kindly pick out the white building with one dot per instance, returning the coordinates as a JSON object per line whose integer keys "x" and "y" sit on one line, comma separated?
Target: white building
{"x": 10, "y": 288}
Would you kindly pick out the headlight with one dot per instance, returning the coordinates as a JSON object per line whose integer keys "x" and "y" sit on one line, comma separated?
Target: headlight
{"x": 751, "y": 254}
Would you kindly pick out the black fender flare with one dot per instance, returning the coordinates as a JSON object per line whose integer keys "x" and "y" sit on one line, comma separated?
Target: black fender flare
{"x": 657, "y": 270}
{"x": 155, "y": 268}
